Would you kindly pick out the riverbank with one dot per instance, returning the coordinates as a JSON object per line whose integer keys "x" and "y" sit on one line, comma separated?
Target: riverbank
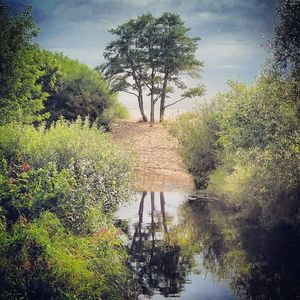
{"x": 160, "y": 168}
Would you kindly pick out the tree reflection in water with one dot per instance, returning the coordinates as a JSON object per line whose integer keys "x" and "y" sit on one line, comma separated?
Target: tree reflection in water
{"x": 260, "y": 260}
{"x": 158, "y": 264}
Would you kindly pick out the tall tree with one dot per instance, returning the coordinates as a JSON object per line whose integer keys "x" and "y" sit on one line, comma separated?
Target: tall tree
{"x": 287, "y": 37}
{"x": 150, "y": 55}
{"x": 21, "y": 96}
{"x": 126, "y": 61}
{"x": 176, "y": 56}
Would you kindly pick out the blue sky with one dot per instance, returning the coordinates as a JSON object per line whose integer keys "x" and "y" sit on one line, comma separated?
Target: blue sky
{"x": 232, "y": 32}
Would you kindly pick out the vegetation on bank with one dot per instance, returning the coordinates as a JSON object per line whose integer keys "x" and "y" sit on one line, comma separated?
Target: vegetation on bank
{"x": 58, "y": 186}
{"x": 61, "y": 177}
{"x": 78, "y": 91}
{"x": 244, "y": 145}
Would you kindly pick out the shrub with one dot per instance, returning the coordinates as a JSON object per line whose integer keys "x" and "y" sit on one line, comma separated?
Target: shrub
{"x": 81, "y": 91}
{"x": 72, "y": 169}
{"x": 245, "y": 143}
{"x": 51, "y": 263}
{"x": 263, "y": 115}
{"x": 197, "y": 134}
{"x": 116, "y": 112}
{"x": 58, "y": 188}
{"x": 260, "y": 128}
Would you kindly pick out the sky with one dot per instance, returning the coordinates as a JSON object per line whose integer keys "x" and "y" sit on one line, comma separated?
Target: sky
{"x": 232, "y": 32}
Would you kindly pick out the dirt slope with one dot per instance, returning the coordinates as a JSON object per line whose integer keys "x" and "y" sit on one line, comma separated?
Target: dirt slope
{"x": 160, "y": 167}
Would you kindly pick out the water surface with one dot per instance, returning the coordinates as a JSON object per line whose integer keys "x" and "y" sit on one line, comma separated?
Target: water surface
{"x": 191, "y": 247}
{"x": 164, "y": 260}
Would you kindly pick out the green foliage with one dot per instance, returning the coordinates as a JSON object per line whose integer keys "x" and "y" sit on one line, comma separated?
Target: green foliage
{"x": 197, "y": 133}
{"x": 115, "y": 112}
{"x": 262, "y": 177}
{"x": 193, "y": 92}
{"x": 58, "y": 187}
{"x": 51, "y": 263}
{"x": 73, "y": 168}
{"x": 260, "y": 126}
{"x": 246, "y": 141}
{"x": 36, "y": 84}
{"x": 286, "y": 42}
{"x": 59, "y": 183}
{"x": 80, "y": 92}
{"x": 21, "y": 96}
{"x": 263, "y": 115}
{"x": 149, "y": 54}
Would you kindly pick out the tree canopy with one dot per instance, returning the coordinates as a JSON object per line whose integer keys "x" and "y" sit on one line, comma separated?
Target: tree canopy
{"x": 149, "y": 55}
{"x": 21, "y": 96}
{"x": 38, "y": 84}
{"x": 80, "y": 91}
{"x": 287, "y": 37}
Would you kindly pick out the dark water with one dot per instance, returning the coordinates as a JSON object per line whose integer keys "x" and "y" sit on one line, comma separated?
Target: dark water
{"x": 199, "y": 248}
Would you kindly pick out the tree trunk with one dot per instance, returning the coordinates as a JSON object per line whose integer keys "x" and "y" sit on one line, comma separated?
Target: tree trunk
{"x": 141, "y": 106}
{"x": 162, "y": 108}
{"x": 152, "y": 220}
{"x": 163, "y": 99}
{"x": 152, "y": 109}
{"x": 163, "y": 212}
{"x": 140, "y": 97}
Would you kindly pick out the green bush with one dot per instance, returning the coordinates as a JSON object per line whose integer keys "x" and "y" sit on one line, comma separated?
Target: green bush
{"x": 260, "y": 127}
{"x": 264, "y": 115}
{"x": 50, "y": 263}
{"x": 116, "y": 112}
{"x": 261, "y": 177}
{"x": 58, "y": 189}
{"x": 72, "y": 167}
{"x": 80, "y": 91}
{"x": 197, "y": 133}
{"x": 245, "y": 143}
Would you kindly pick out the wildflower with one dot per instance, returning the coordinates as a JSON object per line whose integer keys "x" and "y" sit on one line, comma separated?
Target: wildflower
{"x": 25, "y": 167}
{"x": 99, "y": 233}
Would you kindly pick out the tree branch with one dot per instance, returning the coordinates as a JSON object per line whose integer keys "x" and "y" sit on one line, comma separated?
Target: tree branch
{"x": 131, "y": 93}
{"x": 174, "y": 102}
{"x": 146, "y": 83}
{"x": 158, "y": 96}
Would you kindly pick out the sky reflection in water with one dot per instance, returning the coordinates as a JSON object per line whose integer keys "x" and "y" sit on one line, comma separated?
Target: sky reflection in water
{"x": 199, "y": 248}
{"x": 164, "y": 257}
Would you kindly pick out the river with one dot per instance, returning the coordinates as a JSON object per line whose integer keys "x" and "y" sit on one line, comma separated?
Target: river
{"x": 196, "y": 247}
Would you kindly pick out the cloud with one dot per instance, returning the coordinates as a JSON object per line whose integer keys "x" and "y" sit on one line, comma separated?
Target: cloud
{"x": 231, "y": 67}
